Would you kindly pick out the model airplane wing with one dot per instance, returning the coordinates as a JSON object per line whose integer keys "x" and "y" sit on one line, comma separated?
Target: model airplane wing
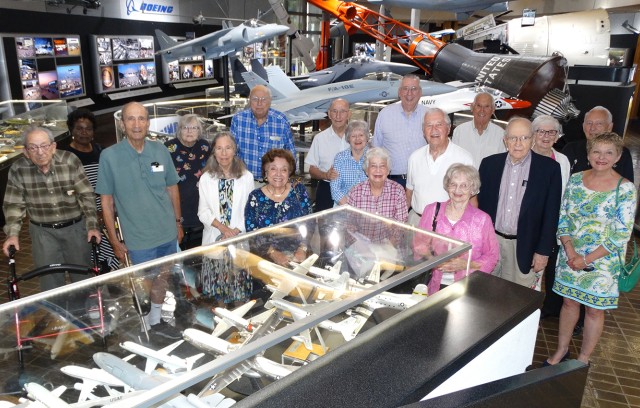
{"x": 222, "y": 325}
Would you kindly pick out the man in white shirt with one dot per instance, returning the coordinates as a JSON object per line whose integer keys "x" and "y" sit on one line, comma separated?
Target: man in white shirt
{"x": 480, "y": 136}
{"x": 428, "y": 165}
{"x": 324, "y": 148}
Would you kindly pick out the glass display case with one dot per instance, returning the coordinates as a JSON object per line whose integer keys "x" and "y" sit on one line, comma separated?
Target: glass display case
{"x": 247, "y": 320}
{"x": 18, "y": 114}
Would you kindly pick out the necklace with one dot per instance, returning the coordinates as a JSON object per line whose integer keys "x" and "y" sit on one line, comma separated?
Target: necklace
{"x": 273, "y": 192}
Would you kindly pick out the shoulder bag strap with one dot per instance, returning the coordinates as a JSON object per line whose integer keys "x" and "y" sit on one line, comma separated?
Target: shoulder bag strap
{"x": 435, "y": 215}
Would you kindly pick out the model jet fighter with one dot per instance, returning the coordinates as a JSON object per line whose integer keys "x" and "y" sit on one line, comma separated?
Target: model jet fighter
{"x": 220, "y": 43}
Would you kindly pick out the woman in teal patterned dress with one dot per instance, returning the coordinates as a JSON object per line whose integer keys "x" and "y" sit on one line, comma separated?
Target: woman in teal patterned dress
{"x": 596, "y": 220}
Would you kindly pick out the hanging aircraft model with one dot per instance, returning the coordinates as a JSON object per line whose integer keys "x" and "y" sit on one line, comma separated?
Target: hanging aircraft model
{"x": 219, "y": 43}
{"x": 462, "y": 8}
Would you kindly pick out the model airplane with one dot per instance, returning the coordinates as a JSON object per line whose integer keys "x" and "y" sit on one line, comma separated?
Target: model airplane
{"x": 172, "y": 363}
{"x": 348, "y": 327}
{"x": 220, "y": 43}
{"x": 462, "y": 99}
{"x": 92, "y": 378}
{"x": 139, "y": 380}
{"x": 311, "y": 104}
{"x": 216, "y": 345}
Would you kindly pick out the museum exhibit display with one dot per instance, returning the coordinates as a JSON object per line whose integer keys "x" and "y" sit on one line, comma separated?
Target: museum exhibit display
{"x": 49, "y": 66}
{"x": 122, "y": 62}
{"x": 357, "y": 263}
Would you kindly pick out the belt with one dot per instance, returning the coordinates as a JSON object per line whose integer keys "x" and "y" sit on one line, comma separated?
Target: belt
{"x": 58, "y": 225}
{"x": 398, "y": 176}
{"x": 506, "y": 236}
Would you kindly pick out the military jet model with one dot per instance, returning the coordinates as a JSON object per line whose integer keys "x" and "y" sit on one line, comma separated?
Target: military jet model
{"x": 220, "y": 43}
{"x": 311, "y": 104}
{"x": 462, "y": 8}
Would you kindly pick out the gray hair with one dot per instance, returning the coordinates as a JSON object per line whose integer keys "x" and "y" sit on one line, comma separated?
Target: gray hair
{"x": 357, "y": 125}
{"x": 213, "y": 167}
{"x": 376, "y": 153}
{"x": 411, "y": 76}
{"x": 31, "y": 129}
{"x": 432, "y": 110}
{"x": 546, "y": 119}
{"x": 186, "y": 119}
{"x": 259, "y": 88}
{"x": 601, "y": 108}
{"x": 518, "y": 119}
{"x": 470, "y": 172}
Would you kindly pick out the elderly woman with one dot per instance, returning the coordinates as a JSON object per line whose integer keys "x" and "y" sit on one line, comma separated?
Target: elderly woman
{"x": 378, "y": 194}
{"x": 457, "y": 219}
{"x": 278, "y": 201}
{"x": 189, "y": 153}
{"x": 224, "y": 190}
{"x": 349, "y": 163}
{"x": 596, "y": 220}
{"x": 82, "y": 125}
{"x": 546, "y": 131}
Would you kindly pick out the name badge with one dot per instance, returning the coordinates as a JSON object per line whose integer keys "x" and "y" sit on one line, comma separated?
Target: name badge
{"x": 275, "y": 138}
{"x": 157, "y": 169}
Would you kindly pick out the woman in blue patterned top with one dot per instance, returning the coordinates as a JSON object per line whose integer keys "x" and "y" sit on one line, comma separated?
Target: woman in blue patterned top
{"x": 189, "y": 153}
{"x": 596, "y": 220}
{"x": 278, "y": 201}
{"x": 349, "y": 163}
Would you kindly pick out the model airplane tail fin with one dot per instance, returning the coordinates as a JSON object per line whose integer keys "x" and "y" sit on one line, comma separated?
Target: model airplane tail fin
{"x": 303, "y": 267}
{"x": 191, "y": 360}
{"x": 340, "y": 285}
{"x": 374, "y": 275}
{"x": 278, "y": 80}
{"x": 164, "y": 40}
{"x": 258, "y": 68}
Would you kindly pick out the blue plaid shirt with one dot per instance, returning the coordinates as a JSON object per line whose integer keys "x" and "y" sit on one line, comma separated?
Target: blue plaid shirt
{"x": 254, "y": 141}
{"x": 350, "y": 173}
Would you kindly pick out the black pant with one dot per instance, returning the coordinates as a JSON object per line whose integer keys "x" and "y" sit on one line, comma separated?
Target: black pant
{"x": 552, "y": 301}
{"x": 324, "y": 200}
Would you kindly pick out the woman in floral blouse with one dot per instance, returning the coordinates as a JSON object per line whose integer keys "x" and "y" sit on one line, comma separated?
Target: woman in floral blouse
{"x": 189, "y": 153}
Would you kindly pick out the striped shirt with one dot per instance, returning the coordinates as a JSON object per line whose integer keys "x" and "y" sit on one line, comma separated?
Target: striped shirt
{"x": 64, "y": 193}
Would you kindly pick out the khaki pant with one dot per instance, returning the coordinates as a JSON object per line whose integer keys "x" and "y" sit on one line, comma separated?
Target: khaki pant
{"x": 508, "y": 268}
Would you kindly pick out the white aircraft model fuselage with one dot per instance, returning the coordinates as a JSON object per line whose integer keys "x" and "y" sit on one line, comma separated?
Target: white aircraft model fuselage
{"x": 154, "y": 357}
{"x": 91, "y": 378}
{"x": 462, "y": 99}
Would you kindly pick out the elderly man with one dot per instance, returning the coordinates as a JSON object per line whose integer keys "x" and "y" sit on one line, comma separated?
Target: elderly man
{"x": 480, "y": 136}
{"x": 597, "y": 121}
{"x": 324, "y": 148}
{"x": 51, "y": 187}
{"x": 428, "y": 165}
{"x": 521, "y": 191}
{"x": 137, "y": 178}
{"x": 260, "y": 129}
{"x": 399, "y": 127}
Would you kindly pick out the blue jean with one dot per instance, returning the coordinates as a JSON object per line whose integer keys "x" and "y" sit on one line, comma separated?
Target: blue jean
{"x": 143, "y": 255}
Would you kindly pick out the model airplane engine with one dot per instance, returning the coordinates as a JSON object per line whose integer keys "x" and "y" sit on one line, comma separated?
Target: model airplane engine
{"x": 233, "y": 36}
{"x": 525, "y": 77}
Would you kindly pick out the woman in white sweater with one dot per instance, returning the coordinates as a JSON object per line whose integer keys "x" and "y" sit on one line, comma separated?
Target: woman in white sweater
{"x": 224, "y": 189}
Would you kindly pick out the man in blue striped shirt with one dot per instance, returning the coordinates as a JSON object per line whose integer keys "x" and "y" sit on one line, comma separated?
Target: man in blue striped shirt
{"x": 260, "y": 129}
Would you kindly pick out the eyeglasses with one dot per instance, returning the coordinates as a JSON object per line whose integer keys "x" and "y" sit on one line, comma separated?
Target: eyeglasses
{"x": 462, "y": 187}
{"x": 543, "y": 132}
{"x": 190, "y": 128}
{"x": 256, "y": 99}
{"x": 514, "y": 139}
{"x": 34, "y": 148}
{"x": 409, "y": 88}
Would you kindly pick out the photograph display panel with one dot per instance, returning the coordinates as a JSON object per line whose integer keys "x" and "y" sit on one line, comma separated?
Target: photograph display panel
{"x": 123, "y": 62}
{"x": 50, "y": 67}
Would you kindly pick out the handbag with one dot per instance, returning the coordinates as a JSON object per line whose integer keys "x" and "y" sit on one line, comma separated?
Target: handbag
{"x": 629, "y": 272}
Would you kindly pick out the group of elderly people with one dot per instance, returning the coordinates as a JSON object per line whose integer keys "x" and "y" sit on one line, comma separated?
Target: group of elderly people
{"x": 520, "y": 209}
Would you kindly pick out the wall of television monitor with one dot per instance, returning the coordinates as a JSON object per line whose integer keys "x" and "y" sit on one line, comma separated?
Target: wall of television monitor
{"x": 50, "y": 66}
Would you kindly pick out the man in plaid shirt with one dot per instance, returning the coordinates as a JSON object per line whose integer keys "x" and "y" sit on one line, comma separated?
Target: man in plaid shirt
{"x": 260, "y": 129}
{"x": 51, "y": 187}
